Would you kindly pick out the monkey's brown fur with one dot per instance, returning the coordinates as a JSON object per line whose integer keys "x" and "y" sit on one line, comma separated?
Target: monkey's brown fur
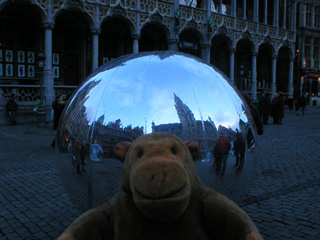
{"x": 161, "y": 197}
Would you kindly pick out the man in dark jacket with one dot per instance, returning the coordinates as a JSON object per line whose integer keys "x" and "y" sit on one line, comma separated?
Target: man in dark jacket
{"x": 12, "y": 108}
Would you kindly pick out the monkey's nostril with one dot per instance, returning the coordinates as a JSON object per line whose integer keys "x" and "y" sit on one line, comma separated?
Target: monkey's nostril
{"x": 152, "y": 177}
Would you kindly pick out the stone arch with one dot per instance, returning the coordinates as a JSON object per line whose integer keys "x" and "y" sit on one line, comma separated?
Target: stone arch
{"x": 264, "y": 67}
{"x": 78, "y": 11}
{"x": 72, "y": 43}
{"x": 21, "y": 38}
{"x": 189, "y": 41}
{"x": 283, "y": 69}
{"x": 115, "y": 38}
{"x": 153, "y": 37}
{"x": 243, "y": 64}
{"x": 26, "y": 4}
{"x": 220, "y": 53}
{"x": 123, "y": 17}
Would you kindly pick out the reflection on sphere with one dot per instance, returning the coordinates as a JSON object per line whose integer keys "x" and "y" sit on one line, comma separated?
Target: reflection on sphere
{"x": 150, "y": 92}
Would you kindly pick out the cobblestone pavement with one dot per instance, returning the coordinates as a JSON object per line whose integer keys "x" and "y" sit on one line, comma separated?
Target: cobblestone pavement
{"x": 284, "y": 199}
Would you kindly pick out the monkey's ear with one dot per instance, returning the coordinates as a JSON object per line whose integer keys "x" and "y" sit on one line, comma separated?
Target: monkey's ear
{"x": 194, "y": 149}
{"x": 121, "y": 149}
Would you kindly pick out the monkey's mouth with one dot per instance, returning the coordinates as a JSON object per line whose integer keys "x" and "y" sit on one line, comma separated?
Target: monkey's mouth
{"x": 166, "y": 196}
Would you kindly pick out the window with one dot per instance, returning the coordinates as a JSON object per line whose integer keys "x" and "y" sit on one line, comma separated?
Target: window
{"x": 317, "y": 17}
{"x": 316, "y": 46}
{"x": 307, "y": 51}
{"x": 316, "y": 52}
{"x": 308, "y": 15}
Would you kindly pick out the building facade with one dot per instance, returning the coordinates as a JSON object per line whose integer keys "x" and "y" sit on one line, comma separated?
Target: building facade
{"x": 251, "y": 41}
{"x": 307, "y": 63}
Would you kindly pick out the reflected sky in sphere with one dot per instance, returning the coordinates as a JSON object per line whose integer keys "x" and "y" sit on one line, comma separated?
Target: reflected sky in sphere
{"x": 116, "y": 91}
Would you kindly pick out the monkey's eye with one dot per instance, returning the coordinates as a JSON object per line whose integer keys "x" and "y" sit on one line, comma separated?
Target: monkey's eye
{"x": 174, "y": 150}
{"x": 140, "y": 153}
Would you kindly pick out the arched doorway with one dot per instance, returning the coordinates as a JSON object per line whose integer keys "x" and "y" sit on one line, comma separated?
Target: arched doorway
{"x": 114, "y": 40}
{"x": 264, "y": 68}
{"x": 153, "y": 38}
{"x": 243, "y": 63}
{"x": 72, "y": 48}
{"x": 283, "y": 67}
{"x": 189, "y": 42}
{"x": 220, "y": 53}
{"x": 20, "y": 42}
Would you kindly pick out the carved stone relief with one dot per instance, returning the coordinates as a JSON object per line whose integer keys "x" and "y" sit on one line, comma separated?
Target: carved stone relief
{"x": 103, "y": 11}
{"x": 42, "y": 3}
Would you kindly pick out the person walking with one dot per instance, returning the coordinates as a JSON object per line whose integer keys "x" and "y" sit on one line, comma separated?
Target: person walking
{"x": 302, "y": 102}
{"x": 12, "y": 107}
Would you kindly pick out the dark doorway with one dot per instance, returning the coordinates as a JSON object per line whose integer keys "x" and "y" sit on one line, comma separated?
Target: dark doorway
{"x": 153, "y": 38}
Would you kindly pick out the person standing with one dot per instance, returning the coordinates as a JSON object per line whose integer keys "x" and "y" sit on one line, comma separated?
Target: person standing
{"x": 277, "y": 108}
{"x": 223, "y": 147}
{"x": 290, "y": 102}
{"x": 58, "y": 106}
{"x": 12, "y": 107}
{"x": 265, "y": 107}
{"x": 302, "y": 102}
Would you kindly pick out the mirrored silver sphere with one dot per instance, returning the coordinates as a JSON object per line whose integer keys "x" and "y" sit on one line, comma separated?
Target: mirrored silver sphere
{"x": 154, "y": 92}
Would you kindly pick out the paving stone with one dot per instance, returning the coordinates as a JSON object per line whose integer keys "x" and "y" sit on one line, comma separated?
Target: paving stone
{"x": 283, "y": 200}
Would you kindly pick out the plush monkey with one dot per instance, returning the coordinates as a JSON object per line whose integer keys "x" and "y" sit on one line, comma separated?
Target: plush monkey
{"x": 161, "y": 197}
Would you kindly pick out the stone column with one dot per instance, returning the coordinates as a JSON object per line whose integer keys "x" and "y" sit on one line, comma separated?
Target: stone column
{"x": 136, "y": 38}
{"x": 256, "y": 12}
{"x": 234, "y": 8}
{"x": 244, "y": 9}
{"x": 284, "y": 14}
{"x": 290, "y": 87}
{"x": 274, "y": 70}
{"x": 220, "y": 7}
{"x": 293, "y": 22}
{"x": 265, "y": 20}
{"x": 205, "y": 52}
{"x": 254, "y": 76}
{"x": 48, "y": 77}
{"x": 232, "y": 51}
{"x": 172, "y": 44}
{"x": 276, "y": 13}
{"x": 95, "y": 48}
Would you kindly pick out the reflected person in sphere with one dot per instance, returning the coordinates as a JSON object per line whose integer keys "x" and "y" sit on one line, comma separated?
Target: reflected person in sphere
{"x": 221, "y": 152}
{"x": 239, "y": 150}
{"x": 78, "y": 151}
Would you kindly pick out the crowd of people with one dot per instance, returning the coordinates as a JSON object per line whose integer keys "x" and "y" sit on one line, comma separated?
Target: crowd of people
{"x": 275, "y": 107}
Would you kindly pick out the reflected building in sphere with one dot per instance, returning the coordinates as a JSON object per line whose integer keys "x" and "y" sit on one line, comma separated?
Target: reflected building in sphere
{"x": 203, "y": 132}
{"x": 252, "y": 42}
